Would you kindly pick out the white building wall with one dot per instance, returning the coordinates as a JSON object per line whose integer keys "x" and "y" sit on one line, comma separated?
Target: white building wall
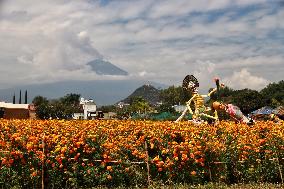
{"x": 89, "y": 107}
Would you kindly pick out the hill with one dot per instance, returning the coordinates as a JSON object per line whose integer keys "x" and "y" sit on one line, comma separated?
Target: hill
{"x": 147, "y": 92}
{"x": 104, "y": 92}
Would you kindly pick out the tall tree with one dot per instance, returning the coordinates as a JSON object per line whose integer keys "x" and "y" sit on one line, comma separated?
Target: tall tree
{"x": 20, "y": 97}
{"x": 14, "y": 99}
{"x": 26, "y": 97}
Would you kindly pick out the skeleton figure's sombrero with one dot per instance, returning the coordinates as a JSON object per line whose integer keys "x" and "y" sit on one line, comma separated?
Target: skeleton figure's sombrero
{"x": 189, "y": 82}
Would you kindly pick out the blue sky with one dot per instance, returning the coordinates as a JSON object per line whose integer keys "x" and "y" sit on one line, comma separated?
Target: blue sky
{"x": 240, "y": 41}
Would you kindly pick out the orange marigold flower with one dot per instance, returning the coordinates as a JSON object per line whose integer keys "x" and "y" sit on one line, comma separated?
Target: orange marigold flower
{"x": 109, "y": 177}
{"x": 193, "y": 173}
{"x": 34, "y": 174}
{"x": 109, "y": 168}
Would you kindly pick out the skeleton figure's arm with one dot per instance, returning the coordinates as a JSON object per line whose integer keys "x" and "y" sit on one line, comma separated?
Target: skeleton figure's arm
{"x": 186, "y": 109}
{"x": 189, "y": 102}
{"x": 210, "y": 93}
{"x": 181, "y": 116}
{"x": 215, "y": 112}
{"x": 213, "y": 91}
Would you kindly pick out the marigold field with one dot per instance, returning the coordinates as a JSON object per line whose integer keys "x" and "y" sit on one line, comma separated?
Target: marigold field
{"x": 72, "y": 154}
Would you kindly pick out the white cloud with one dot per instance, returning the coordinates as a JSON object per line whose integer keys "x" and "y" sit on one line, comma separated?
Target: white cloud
{"x": 161, "y": 40}
{"x": 244, "y": 79}
{"x": 250, "y": 2}
{"x": 205, "y": 72}
{"x": 142, "y": 74}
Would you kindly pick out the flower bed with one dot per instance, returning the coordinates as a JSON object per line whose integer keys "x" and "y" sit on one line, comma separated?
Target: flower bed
{"x": 58, "y": 153}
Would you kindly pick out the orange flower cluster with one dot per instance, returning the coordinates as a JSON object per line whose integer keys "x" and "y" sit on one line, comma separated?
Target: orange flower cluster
{"x": 107, "y": 148}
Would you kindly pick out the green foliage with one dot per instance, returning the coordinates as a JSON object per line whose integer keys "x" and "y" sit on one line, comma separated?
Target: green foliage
{"x": 174, "y": 95}
{"x": 20, "y": 97}
{"x": 62, "y": 108}
{"x": 248, "y": 100}
{"x": 274, "y": 94}
{"x": 109, "y": 108}
{"x": 26, "y": 97}
{"x": 225, "y": 95}
{"x": 38, "y": 100}
{"x": 147, "y": 92}
{"x": 138, "y": 105}
{"x": 166, "y": 108}
{"x": 42, "y": 107}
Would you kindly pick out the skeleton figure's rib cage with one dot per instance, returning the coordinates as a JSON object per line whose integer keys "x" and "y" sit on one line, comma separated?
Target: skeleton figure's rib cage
{"x": 190, "y": 84}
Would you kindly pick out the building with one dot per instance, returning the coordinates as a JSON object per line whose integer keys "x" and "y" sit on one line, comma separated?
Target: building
{"x": 122, "y": 104}
{"x": 17, "y": 111}
{"x": 89, "y": 110}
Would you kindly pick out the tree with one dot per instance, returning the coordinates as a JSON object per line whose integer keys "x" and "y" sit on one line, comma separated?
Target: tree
{"x": 71, "y": 99}
{"x": 14, "y": 99}
{"x": 109, "y": 108}
{"x": 38, "y": 100}
{"x": 273, "y": 93}
{"x": 248, "y": 100}
{"x": 62, "y": 108}
{"x": 172, "y": 96}
{"x": 225, "y": 94}
{"x": 26, "y": 97}
{"x": 138, "y": 105}
{"x": 42, "y": 107}
{"x": 20, "y": 97}
{"x": 43, "y": 111}
{"x": 69, "y": 105}
{"x": 166, "y": 108}
{"x": 57, "y": 110}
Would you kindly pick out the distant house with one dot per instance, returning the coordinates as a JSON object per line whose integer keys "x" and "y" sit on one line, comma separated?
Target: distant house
{"x": 89, "y": 110}
{"x": 17, "y": 111}
{"x": 122, "y": 104}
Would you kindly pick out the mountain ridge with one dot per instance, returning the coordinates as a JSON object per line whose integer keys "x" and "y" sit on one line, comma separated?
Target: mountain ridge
{"x": 102, "y": 67}
{"x": 104, "y": 92}
{"x": 147, "y": 92}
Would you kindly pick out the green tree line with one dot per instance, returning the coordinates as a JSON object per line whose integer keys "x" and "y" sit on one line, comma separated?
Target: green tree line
{"x": 62, "y": 108}
{"x": 247, "y": 100}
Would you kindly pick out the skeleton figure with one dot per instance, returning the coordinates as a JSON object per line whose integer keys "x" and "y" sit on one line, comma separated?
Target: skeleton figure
{"x": 190, "y": 84}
